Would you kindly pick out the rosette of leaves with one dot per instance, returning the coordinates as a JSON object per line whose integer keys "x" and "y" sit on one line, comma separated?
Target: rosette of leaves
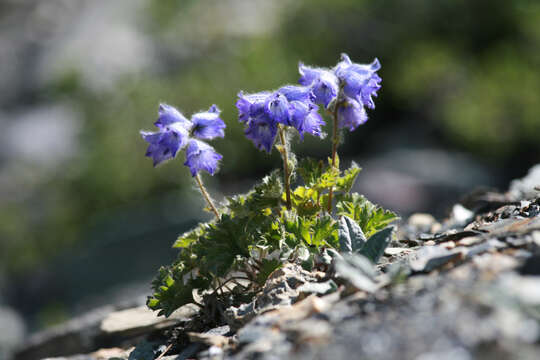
{"x": 256, "y": 235}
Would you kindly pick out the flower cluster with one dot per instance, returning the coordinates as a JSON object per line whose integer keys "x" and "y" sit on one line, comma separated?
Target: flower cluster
{"x": 291, "y": 105}
{"x": 348, "y": 87}
{"x": 176, "y": 132}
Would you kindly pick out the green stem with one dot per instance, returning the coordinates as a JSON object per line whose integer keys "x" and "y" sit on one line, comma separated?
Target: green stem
{"x": 285, "y": 166}
{"x": 206, "y": 196}
{"x": 335, "y": 143}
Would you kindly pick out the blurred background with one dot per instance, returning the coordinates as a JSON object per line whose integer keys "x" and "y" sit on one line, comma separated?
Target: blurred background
{"x": 84, "y": 218}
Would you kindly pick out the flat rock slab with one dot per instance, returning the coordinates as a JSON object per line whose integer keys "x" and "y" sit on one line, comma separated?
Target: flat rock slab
{"x": 103, "y": 327}
{"x": 140, "y": 319}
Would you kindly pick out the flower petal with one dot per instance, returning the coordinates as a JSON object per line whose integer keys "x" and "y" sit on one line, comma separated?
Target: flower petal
{"x": 250, "y": 105}
{"x": 297, "y": 93}
{"x": 208, "y": 125}
{"x": 325, "y": 88}
{"x": 201, "y": 156}
{"x": 262, "y": 132}
{"x": 306, "y": 119}
{"x": 169, "y": 115}
{"x": 277, "y": 108}
{"x": 308, "y": 74}
{"x": 361, "y": 81}
{"x": 351, "y": 114}
{"x": 165, "y": 143}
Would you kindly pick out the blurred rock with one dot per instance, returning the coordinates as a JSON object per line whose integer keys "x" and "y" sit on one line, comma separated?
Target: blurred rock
{"x": 422, "y": 222}
{"x": 12, "y": 333}
{"x": 408, "y": 179}
{"x": 527, "y": 187}
{"x": 99, "y": 328}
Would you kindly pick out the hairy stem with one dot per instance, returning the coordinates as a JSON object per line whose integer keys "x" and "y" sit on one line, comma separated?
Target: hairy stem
{"x": 206, "y": 196}
{"x": 335, "y": 143}
{"x": 285, "y": 166}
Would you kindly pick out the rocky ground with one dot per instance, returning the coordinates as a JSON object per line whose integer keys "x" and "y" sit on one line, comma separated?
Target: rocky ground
{"x": 464, "y": 288}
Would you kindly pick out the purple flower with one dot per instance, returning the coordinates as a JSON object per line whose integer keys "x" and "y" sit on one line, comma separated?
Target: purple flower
{"x": 291, "y": 105}
{"x": 277, "y": 108}
{"x": 250, "y": 105}
{"x": 174, "y": 133}
{"x": 309, "y": 74}
{"x": 262, "y": 131}
{"x": 208, "y": 125}
{"x": 306, "y": 119}
{"x": 165, "y": 143}
{"x": 323, "y": 83}
{"x": 169, "y": 115}
{"x": 201, "y": 156}
{"x": 351, "y": 114}
{"x": 360, "y": 81}
{"x": 297, "y": 93}
{"x": 347, "y": 64}
{"x": 325, "y": 89}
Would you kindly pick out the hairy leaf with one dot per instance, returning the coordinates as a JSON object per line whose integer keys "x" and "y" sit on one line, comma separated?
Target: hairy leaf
{"x": 376, "y": 244}
{"x": 351, "y": 236}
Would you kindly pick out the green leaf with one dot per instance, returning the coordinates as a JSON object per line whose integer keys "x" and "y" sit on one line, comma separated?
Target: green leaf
{"x": 263, "y": 196}
{"x": 351, "y": 236}
{"x": 170, "y": 292}
{"x": 370, "y": 217}
{"x": 325, "y": 231}
{"x": 346, "y": 182}
{"x": 376, "y": 244}
{"x": 186, "y": 239}
{"x": 310, "y": 170}
{"x": 266, "y": 268}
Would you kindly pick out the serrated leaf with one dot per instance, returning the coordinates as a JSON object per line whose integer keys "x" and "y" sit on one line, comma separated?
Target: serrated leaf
{"x": 351, "y": 236}
{"x": 336, "y": 164}
{"x": 346, "y": 182}
{"x": 369, "y": 216}
{"x": 324, "y": 231}
{"x": 186, "y": 239}
{"x": 375, "y": 245}
{"x": 310, "y": 170}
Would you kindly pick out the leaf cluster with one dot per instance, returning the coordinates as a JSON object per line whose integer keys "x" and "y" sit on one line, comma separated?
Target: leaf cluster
{"x": 256, "y": 234}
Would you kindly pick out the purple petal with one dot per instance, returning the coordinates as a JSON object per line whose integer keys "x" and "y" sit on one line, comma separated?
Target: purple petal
{"x": 277, "y": 108}
{"x": 208, "y": 125}
{"x": 351, "y": 114}
{"x": 164, "y": 144}
{"x": 306, "y": 119}
{"x": 354, "y": 83}
{"x": 308, "y": 74}
{"x": 169, "y": 115}
{"x": 361, "y": 81}
{"x": 250, "y": 105}
{"x": 262, "y": 132}
{"x": 325, "y": 88}
{"x": 297, "y": 93}
{"x": 151, "y": 137}
{"x": 201, "y": 156}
